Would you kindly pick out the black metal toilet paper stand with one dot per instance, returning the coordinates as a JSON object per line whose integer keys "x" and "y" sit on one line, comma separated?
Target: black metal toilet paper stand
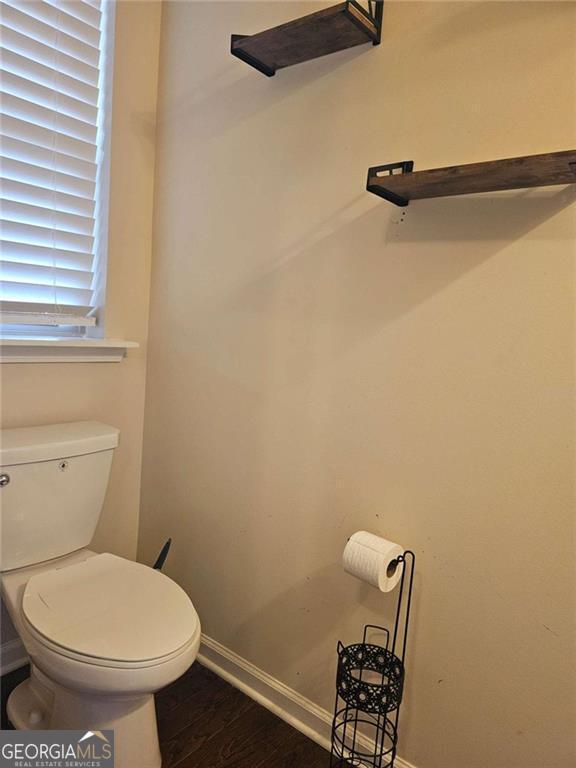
{"x": 369, "y": 688}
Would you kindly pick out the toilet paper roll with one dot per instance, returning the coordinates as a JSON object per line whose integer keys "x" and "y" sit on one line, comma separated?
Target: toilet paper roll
{"x": 373, "y": 559}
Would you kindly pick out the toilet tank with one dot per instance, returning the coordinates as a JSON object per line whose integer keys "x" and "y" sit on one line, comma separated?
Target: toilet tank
{"x": 53, "y": 482}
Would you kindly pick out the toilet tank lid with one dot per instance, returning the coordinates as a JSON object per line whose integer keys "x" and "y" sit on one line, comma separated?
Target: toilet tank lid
{"x": 25, "y": 445}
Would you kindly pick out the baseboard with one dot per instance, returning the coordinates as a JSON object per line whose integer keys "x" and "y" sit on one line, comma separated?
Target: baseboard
{"x": 299, "y": 712}
{"x": 12, "y": 656}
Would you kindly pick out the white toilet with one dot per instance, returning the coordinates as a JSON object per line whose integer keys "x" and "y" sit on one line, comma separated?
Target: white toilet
{"x": 103, "y": 633}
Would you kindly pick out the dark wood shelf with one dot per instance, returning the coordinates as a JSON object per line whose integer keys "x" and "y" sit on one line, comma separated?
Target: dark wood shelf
{"x": 398, "y": 184}
{"x": 332, "y": 29}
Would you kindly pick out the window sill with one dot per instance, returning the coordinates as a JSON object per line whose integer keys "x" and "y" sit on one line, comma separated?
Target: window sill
{"x": 65, "y": 350}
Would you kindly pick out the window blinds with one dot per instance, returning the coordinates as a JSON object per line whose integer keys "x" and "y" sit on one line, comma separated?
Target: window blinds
{"x": 51, "y": 157}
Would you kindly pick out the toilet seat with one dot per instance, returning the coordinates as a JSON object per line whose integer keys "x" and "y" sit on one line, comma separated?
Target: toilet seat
{"x": 110, "y": 612}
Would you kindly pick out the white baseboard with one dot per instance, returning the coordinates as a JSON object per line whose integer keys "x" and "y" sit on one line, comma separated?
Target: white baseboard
{"x": 299, "y": 712}
{"x": 12, "y": 656}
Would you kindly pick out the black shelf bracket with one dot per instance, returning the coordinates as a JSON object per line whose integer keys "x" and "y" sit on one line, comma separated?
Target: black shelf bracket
{"x": 391, "y": 169}
{"x": 371, "y": 11}
{"x": 376, "y": 13}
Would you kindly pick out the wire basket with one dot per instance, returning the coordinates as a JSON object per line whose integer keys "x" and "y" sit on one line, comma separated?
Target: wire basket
{"x": 360, "y": 739}
{"x": 370, "y": 677}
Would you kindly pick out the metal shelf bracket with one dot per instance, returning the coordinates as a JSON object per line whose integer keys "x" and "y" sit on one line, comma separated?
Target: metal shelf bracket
{"x": 391, "y": 169}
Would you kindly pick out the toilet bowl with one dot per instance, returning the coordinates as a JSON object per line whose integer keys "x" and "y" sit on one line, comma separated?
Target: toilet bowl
{"x": 103, "y": 633}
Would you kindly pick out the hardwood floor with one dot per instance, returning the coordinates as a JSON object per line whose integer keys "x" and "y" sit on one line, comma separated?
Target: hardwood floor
{"x": 7, "y": 684}
{"x": 206, "y": 723}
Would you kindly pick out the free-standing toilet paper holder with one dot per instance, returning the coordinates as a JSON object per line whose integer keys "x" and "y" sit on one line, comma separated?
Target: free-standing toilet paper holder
{"x": 369, "y": 688}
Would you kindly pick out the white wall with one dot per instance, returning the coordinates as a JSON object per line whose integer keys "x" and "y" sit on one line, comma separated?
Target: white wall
{"x": 322, "y": 362}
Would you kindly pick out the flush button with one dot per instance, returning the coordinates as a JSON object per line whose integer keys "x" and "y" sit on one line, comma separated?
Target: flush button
{"x": 4, "y": 479}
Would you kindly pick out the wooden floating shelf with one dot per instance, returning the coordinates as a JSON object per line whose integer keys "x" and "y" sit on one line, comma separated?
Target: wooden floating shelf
{"x": 398, "y": 184}
{"x": 332, "y": 29}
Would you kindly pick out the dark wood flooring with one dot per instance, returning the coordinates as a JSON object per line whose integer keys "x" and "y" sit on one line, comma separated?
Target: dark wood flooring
{"x": 206, "y": 723}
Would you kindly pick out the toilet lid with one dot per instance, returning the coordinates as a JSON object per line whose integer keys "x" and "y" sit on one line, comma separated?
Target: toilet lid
{"x": 112, "y": 609}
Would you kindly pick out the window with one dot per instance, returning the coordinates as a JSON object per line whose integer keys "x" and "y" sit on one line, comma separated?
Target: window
{"x": 55, "y": 90}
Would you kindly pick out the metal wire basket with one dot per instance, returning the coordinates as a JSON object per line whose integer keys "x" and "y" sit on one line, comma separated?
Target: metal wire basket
{"x": 359, "y": 739}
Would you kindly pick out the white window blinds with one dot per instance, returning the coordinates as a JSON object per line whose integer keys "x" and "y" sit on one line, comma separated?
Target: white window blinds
{"x": 53, "y": 99}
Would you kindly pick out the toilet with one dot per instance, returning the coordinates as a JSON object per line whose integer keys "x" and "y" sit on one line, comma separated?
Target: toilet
{"x": 103, "y": 633}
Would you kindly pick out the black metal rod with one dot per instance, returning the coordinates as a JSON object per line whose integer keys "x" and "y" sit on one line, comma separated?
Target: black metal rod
{"x": 378, "y": 17}
{"x": 161, "y": 559}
